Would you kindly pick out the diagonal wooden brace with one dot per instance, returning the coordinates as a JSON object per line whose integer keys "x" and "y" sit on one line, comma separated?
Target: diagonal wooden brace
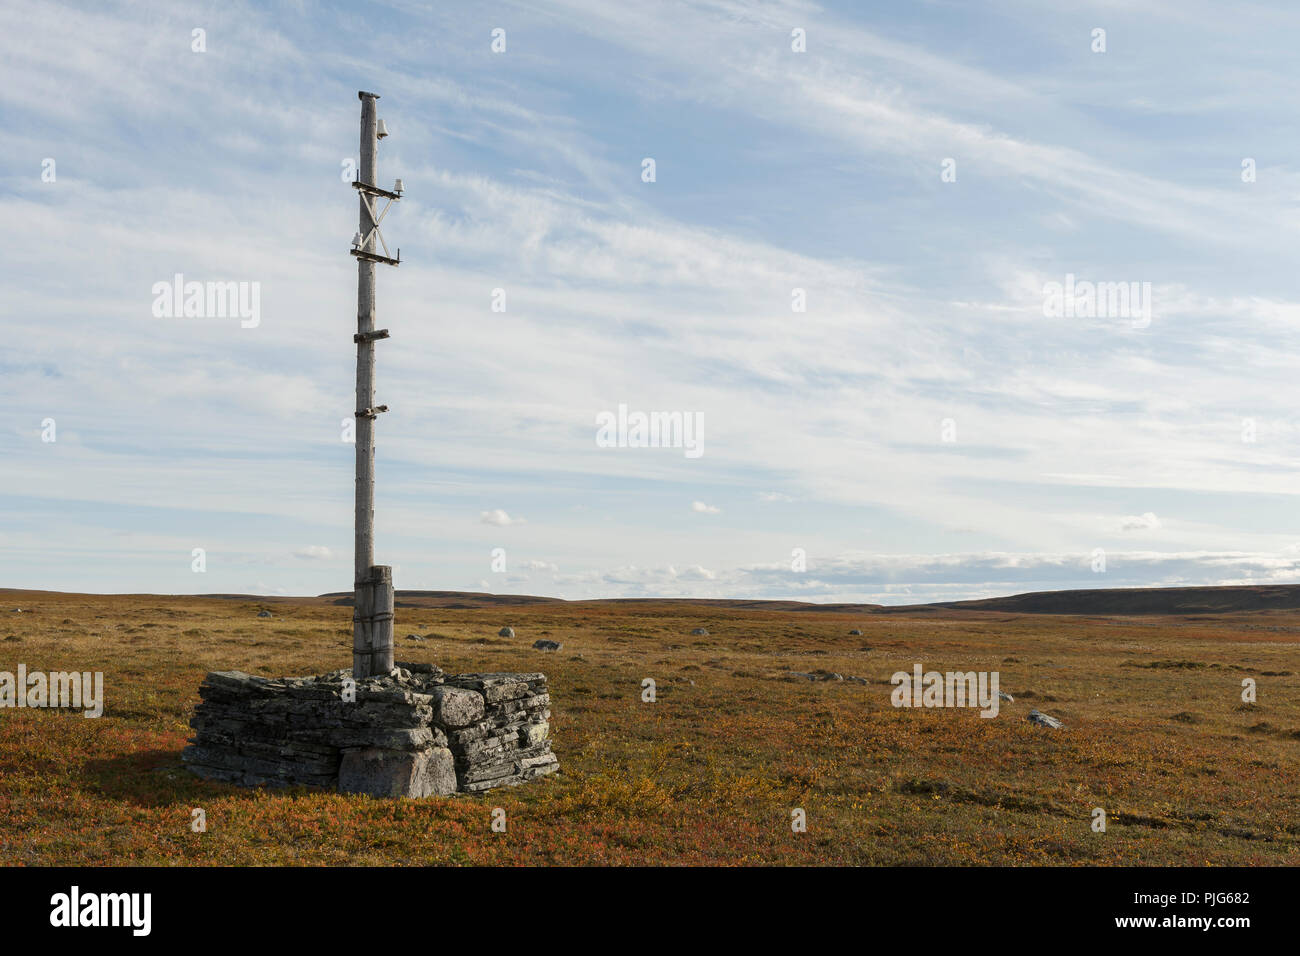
{"x": 368, "y": 199}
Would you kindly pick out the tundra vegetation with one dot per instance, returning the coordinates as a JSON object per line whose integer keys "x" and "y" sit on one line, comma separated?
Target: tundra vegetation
{"x": 1156, "y": 733}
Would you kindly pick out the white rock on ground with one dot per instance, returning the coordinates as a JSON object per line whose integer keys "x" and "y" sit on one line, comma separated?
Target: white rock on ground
{"x": 1042, "y": 720}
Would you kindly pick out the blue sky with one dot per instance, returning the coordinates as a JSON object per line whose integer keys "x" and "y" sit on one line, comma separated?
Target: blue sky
{"x": 775, "y": 170}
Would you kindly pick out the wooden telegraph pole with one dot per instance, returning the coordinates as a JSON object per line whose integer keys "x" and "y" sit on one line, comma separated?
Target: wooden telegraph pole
{"x": 372, "y": 615}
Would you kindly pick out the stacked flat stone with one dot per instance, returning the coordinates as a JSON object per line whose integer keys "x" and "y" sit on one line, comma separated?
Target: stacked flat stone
{"x": 394, "y": 739}
{"x": 508, "y": 741}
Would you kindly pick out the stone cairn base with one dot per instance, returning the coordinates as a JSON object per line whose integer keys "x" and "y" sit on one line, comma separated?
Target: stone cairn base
{"x": 416, "y": 733}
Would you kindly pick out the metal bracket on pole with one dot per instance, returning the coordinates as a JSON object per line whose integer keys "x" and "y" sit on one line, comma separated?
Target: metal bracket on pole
{"x": 370, "y": 336}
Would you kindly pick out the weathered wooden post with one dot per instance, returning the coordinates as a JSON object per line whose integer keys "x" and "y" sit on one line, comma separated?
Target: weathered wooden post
{"x": 372, "y": 616}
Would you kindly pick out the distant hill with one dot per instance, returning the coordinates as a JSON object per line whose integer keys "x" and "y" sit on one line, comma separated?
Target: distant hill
{"x": 1193, "y": 600}
{"x": 740, "y": 604}
{"x": 1203, "y": 600}
{"x": 469, "y": 599}
{"x": 450, "y": 599}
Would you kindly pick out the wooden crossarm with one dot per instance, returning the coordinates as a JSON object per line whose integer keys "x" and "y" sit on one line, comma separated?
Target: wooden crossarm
{"x": 375, "y": 190}
{"x": 374, "y": 257}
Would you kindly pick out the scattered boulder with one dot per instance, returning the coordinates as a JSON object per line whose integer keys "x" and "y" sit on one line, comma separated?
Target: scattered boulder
{"x": 831, "y": 675}
{"x": 1003, "y": 695}
{"x": 414, "y": 637}
{"x": 700, "y": 632}
{"x": 18, "y": 610}
{"x": 857, "y": 680}
{"x": 506, "y": 632}
{"x": 547, "y": 645}
{"x": 1042, "y": 720}
{"x": 799, "y": 675}
{"x": 263, "y": 613}
{"x": 855, "y": 632}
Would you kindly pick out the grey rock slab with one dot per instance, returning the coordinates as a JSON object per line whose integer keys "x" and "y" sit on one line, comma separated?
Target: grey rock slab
{"x": 533, "y": 734}
{"x": 393, "y": 773}
{"x": 1042, "y": 720}
{"x": 457, "y": 706}
{"x": 498, "y": 693}
{"x": 418, "y": 668}
{"x": 383, "y": 738}
{"x": 544, "y": 760}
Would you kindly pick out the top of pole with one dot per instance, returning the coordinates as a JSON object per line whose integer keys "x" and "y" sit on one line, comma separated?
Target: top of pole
{"x": 362, "y": 94}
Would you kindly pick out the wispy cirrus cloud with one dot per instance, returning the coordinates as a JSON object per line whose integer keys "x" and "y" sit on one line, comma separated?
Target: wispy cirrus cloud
{"x": 816, "y": 173}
